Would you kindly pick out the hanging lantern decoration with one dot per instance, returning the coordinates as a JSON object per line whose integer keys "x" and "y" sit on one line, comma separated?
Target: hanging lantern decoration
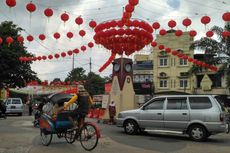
{"x": 168, "y": 50}
{"x": 44, "y": 57}
{"x": 161, "y": 47}
{"x": 57, "y": 35}
{"x": 226, "y": 16}
{"x": 11, "y": 3}
{"x": 79, "y": 20}
{"x": 209, "y": 34}
{"x": 9, "y": 40}
{"x": 162, "y": 32}
{"x": 172, "y": 24}
{"x": 92, "y": 24}
{"x": 69, "y": 35}
{"x": 20, "y": 39}
{"x": 39, "y": 58}
{"x": 82, "y": 33}
{"x": 90, "y": 45}
{"x": 180, "y": 55}
{"x": 185, "y": 57}
{"x": 50, "y": 57}
{"x": 187, "y": 22}
{"x": 153, "y": 44}
{"x": 190, "y": 59}
{"x": 57, "y": 56}
{"x": 133, "y": 2}
{"x": 83, "y": 48}
{"x": 42, "y": 37}
{"x": 30, "y": 38}
{"x": 31, "y": 7}
{"x": 1, "y": 40}
{"x": 225, "y": 34}
{"x": 76, "y": 51}
{"x": 178, "y": 33}
{"x": 205, "y": 20}
{"x": 70, "y": 52}
{"x": 175, "y": 52}
{"x": 129, "y": 8}
{"x": 156, "y": 25}
{"x": 63, "y": 54}
{"x": 64, "y": 17}
{"x": 48, "y": 12}
{"x": 192, "y": 33}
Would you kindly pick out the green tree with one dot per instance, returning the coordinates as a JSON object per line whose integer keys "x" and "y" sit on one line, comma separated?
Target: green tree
{"x": 94, "y": 84}
{"x": 77, "y": 74}
{"x": 215, "y": 51}
{"x": 14, "y": 73}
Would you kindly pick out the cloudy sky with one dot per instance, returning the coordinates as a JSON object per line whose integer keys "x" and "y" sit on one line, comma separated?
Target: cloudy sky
{"x": 98, "y": 10}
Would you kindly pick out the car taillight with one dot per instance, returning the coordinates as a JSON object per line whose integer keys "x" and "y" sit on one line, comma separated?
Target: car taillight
{"x": 222, "y": 117}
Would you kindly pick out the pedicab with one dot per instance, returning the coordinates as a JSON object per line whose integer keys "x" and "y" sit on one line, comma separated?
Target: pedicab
{"x": 88, "y": 134}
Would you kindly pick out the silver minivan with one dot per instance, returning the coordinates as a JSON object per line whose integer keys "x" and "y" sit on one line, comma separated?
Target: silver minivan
{"x": 199, "y": 116}
{"x": 14, "y": 106}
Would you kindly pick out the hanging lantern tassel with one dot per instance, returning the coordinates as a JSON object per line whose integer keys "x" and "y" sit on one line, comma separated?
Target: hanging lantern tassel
{"x": 109, "y": 61}
{"x": 31, "y": 7}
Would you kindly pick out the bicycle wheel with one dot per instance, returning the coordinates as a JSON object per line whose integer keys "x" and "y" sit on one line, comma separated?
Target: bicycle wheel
{"x": 70, "y": 136}
{"x": 88, "y": 137}
{"x": 45, "y": 137}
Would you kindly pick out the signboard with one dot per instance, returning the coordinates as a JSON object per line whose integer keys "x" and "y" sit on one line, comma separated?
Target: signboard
{"x": 105, "y": 101}
{"x": 108, "y": 87}
{"x": 101, "y": 101}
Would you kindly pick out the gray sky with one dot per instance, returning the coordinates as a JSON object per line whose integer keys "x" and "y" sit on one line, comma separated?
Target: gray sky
{"x": 98, "y": 10}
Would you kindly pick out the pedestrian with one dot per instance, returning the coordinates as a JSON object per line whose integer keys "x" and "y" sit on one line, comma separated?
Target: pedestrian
{"x": 112, "y": 112}
{"x": 29, "y": 103}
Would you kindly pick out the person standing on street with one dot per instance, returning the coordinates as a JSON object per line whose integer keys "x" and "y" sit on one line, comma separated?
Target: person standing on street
{"x": 112, "y": 112}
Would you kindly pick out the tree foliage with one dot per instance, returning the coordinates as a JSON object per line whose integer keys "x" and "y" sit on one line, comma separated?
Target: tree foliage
{"x": 13, "y": 72}
{"x": 77, "y": 74}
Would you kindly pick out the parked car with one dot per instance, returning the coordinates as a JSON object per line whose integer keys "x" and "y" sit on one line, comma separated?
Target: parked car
{"x": 14, "y": 106}
{"x": 199, "y": 116}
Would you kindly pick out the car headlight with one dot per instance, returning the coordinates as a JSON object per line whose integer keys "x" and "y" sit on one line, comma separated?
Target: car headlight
{"x": 120, "y": 115}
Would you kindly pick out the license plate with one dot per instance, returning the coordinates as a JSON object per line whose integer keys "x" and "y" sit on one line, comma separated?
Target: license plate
{"x": 13, "y": 107}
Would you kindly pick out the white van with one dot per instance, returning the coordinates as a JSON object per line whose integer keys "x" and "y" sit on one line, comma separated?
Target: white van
{"x": 14, "y": 106}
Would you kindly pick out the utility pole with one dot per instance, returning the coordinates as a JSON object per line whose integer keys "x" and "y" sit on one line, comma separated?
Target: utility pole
{"x": 73, "y": 62}
{"x": 90, "y": 65}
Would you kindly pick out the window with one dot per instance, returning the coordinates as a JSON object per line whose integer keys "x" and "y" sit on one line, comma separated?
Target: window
{"x": 177, "y": 103}
{"x": 155, "y": 104}
{"x": 16, "y": 101}
{"x": 200, "y": 103}
{"x": 163, "y": 83}
{"x": 163, "y": 61}
{"x": 162, "y": 74}
{"x": 183, "y": 83}
{"x": 183, "y": 62}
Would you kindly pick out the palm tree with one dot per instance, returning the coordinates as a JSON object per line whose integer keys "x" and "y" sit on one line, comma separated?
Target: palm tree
{"x": 215, "y": 51}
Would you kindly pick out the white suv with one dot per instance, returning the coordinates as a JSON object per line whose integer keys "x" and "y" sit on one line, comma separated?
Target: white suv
{"x": 14, "y": 106}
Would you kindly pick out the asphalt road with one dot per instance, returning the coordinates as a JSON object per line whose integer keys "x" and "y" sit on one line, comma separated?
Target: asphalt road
{"x": 17, "y": 135}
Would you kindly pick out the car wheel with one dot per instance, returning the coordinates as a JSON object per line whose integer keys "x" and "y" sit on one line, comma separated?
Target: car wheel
{"x": 197, "y": 133}
{"x": 130, "y": 127}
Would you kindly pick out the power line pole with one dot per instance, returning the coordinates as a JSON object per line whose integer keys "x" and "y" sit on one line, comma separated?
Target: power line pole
{"x": 90, "y": 65}
{"x": 73, "y": 62}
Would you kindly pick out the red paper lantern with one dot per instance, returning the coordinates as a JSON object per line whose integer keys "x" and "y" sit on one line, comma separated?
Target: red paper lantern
{"x": 209, "y": 33}
{"x": 70, "y": 52}
{"x": 154, "y": 44}
{"x": 192, "y": 33}
{"x": 129, "y": 8}
{"x": 92, "y": 24}
{"x": 187, "y": 22}
{"x": 190, "y": 59}
{"x": 175, "y": 52}
{"x": 50, "y": 57}
{"x": 63, "y": 54}
{"x": 1, "y": 40}
{"x": 30, "y": 38}
{"x": 57, "y": 35}
{"x": 180, "y": 55}
{"x": 39, "y": 58}
{"x": 48, "y": 12}
{"x": 90, "y": 44}
{"x": 133, "y": 2}
{"x": 120, "y": 23}
{"x": 79, "y": 20}
{"x": 225, "y": 34}
{"x": 168, "y": 50}
{"x": 64, "y": 17}
{"x": 185, "y": 57}
{"x": 172, "y": 23}
{"x": 161, "y": 47}
{"x": 178, "y": 33}
{"x": 156, "y": 25}
{"x": 83, "y": 48}
{"x": 31, "y": 7}
{"x": 69, "y": 35}
{"x": 20, "y": 39}
{"x": 44, "y": 57}
{"x": 226, "y": 16}
{"x": 11, "y": 3}
{"x": 42, "y": 37}
{"x": 162, "y": 32}
{"x": 56, "y": 55}
{"x": 9, "y": 40}
{"x": 82, "y": 33}
{"x": 205, "y": 19}
{"x": 76, "y": 51}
